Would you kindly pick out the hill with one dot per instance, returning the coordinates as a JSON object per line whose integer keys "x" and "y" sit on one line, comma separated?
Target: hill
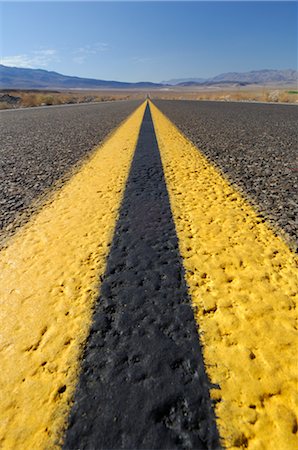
{"x": 259, "y": 76}
{"x": 264, "y": 77}
{"x": 18, "y": 78}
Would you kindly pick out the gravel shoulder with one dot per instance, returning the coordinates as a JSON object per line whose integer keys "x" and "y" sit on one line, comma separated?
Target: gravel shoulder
{"x": 40, "y": 146}
{"x": 255, "y": 145}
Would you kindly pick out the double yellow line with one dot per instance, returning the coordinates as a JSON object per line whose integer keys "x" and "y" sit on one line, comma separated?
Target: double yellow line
{"x": 241, "y": 279}
{"x": 243, "y": 282}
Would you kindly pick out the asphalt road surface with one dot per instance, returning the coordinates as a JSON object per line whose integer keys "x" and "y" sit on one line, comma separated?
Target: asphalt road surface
{"x": 147, "y": 305}
{"x": 255, "y": 145}
{"x": 120, "y": 370}
{"x": 39, "y": 146}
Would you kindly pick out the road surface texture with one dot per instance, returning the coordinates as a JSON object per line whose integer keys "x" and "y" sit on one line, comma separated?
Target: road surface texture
{"x": 147, "y": 305}
{"x": 39, "y": 146}
{"x": 143, "y": 382}
{"x": 255, "y": 145}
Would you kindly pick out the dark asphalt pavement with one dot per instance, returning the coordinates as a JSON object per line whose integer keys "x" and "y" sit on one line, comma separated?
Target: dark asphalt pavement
{"x": 143, "y": 383}
{"x": 255, "y": 145}
{"x": 39, "y": 146}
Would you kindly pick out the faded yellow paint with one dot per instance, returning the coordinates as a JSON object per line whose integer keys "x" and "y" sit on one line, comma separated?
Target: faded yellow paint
{"x": 49, "y": 280}
{"x": 243, "y": 282}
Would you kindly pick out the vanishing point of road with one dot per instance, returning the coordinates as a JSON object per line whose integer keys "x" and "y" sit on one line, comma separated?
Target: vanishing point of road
{"x": 148, "y": 276}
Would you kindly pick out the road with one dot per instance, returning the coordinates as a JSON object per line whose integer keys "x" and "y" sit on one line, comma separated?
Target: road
{"x": 147, "y": 304}
{"x": 40, "y": 146}
{"x": 255, "y": 145}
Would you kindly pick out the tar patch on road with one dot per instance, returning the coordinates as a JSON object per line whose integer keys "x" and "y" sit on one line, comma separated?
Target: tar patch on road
{"x": 143, "y": 383}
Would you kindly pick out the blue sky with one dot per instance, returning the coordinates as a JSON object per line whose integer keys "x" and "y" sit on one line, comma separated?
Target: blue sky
{"x": 153, "y": 41}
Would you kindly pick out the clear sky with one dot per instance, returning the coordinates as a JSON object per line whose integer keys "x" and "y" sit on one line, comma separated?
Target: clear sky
{"x": 149, "y": 41}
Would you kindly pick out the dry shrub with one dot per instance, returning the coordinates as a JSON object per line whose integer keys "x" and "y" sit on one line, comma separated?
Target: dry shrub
{"x": 5, "y": 105}
{"x": 247, "y": 95}
{"x": 29, "y": 100}
{"x": 39, "y": 98}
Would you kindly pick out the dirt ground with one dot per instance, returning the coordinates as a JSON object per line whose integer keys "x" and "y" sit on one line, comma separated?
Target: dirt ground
{"x": 10, "y": 99}
{"x": 272, "y": 94}
{"x": 28, "y": 98}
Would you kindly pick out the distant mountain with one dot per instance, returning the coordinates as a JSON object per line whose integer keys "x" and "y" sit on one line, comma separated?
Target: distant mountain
{"x": 18, "y": 78}
{"x": 175, "y": 81}
{"x": 260, "y": 76}
{"x": 288, "y": 76}
{"x": 213, "y": 83}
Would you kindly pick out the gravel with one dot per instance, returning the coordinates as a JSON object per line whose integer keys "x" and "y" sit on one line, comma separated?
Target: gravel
{"x": 40, "y": 145}
{"x": 255, "y": 145}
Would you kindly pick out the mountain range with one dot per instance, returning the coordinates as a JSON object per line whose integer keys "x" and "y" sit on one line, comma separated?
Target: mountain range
{"x": 267, "y": 76}
{"x": 19, "y": 78}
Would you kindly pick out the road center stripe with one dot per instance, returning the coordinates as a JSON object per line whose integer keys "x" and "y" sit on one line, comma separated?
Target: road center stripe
{"x": 143, "y": 383}
{"x": 243, "y": 283}
{"x": 49, "y": 279}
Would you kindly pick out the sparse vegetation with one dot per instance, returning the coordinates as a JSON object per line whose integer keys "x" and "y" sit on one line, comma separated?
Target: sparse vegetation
{"x": 30, "y": 98}
{"x": 240, "y": 95}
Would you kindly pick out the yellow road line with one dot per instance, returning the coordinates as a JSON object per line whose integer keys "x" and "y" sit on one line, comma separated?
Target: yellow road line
{"x": 243, "y": 281}
{"x": 49, "y": 279}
